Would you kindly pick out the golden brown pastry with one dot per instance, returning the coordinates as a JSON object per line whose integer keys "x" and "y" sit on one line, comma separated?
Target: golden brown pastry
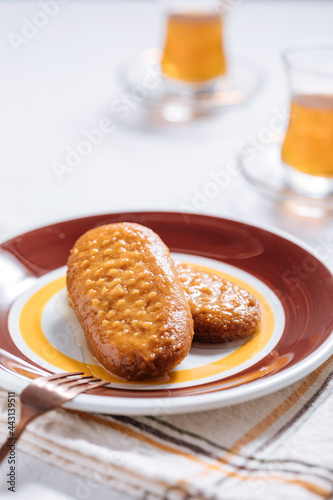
{"x": 221, "y": 310}
{"x": 124, "y": 289}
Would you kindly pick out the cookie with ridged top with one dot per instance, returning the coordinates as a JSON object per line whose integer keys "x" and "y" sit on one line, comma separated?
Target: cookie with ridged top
{"x": 124, "y": 289}
{"x": 221, "y": 311}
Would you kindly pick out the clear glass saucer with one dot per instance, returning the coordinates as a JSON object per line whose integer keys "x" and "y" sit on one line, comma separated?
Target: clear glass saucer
{"x": 264, "y": 170}
{"x": 180, "y": 101}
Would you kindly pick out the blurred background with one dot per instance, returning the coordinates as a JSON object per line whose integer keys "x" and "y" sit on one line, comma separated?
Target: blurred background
{"x": 60, "y": 82}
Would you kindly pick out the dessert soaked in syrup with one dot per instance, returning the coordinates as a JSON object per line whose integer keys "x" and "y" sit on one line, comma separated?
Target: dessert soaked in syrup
{"x": 124, "y": 289}
{"x": 221, "y": 310}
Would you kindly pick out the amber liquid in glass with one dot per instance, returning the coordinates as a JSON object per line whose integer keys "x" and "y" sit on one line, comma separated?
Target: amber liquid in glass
{"x": 193, "y": 50}
{"x": 308, "y": 144}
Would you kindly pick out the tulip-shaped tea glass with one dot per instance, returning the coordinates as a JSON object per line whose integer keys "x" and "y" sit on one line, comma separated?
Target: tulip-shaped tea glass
{"x": 299, "y": 166}
{"x": 193, "y": 50}
{"x": 191, "y": 73}
{"x": 307, "y": 149}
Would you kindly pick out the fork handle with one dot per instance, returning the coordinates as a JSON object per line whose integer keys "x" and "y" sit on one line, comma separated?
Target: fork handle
{"x": 28, "y": 413}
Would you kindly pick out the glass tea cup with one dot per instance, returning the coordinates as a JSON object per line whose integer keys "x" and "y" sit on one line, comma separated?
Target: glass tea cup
{"x": 307, "y": 149}
{"x": 193, "y": 50}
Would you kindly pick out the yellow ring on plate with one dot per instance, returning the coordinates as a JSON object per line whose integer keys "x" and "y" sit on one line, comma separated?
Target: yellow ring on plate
{"x": 33, "y": 336}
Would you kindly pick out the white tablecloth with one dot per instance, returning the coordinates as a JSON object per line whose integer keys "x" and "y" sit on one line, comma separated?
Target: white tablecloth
{"x": 58, "y": 83}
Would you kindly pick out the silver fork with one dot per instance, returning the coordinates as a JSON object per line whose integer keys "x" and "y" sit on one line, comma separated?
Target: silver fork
{"x": 45, "y": 394}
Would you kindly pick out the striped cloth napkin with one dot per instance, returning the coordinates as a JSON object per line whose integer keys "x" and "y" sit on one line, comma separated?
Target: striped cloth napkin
{"x": 276, "y": 447}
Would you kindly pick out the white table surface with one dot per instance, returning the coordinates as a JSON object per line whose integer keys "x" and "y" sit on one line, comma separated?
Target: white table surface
{"x": 62, "y": 82}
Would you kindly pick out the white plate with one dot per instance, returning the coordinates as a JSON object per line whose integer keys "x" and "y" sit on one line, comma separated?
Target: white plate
{"x": 44, "y": 329}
